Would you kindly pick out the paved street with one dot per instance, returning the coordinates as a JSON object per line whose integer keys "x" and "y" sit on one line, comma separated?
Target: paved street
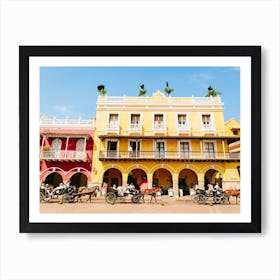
{"x": 164, "y": 204}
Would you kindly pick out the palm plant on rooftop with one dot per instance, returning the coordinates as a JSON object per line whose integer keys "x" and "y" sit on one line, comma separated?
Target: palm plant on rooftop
{"x": 167, "y": 89}
{"x": 212, "y": 92}
{"x": 101, "y": 90}
{"x": 142, "y": 90}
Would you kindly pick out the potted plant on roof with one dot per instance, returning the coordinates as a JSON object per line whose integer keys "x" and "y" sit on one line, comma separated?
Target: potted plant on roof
{"x": 101, "y": 90}
{"x": 212, "y": 92}
{"x": 142, "y": 90}
{"x": 168, "y": 90}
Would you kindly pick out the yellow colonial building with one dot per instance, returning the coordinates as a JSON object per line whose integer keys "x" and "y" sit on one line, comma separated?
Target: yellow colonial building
{"x": 160, "y": 141}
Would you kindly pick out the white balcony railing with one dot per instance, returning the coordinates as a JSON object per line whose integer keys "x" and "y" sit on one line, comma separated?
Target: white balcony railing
{"x": 183, "y": 128}
{"x": 159, "y": 127}
{"x": 54, "y": 123}
{"x": 113, "y": 127}
{"x": 135, "y": 128}
{"x": 209, "y": 128}
{"x": 63, "y": 155}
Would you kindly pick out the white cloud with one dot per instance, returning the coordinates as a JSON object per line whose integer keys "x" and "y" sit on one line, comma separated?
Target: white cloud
{"x": 63, "y": 109}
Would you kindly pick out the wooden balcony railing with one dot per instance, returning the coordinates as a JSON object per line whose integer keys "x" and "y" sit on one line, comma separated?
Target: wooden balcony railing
{"x": 158, "y": 155}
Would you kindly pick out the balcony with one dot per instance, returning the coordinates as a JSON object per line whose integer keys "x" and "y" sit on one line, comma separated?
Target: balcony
{"x": 159, "y": 128}
{"x": 167, "y": 155}
{"x": 64, "y": 155}
{"x": 113, "y": 127}
{"x": 48, "y": 123}
{"x": 209, "y": 128}
{"x": 183, "y": 128}
{"x": 135, "y": 128}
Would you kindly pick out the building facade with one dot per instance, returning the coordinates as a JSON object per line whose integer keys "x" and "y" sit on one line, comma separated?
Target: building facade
{"x": 66, "y": 148}
{"x": 160, "y": 141}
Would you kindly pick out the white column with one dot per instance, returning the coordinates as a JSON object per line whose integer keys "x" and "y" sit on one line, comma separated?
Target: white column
{"x": 43, "y": 141}
{"x": 85, "y": 144}
{"x": 66, "y": 148}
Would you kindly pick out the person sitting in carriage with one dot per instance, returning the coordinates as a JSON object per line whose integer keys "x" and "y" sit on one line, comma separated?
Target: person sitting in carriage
{"x": 209, "y": 191}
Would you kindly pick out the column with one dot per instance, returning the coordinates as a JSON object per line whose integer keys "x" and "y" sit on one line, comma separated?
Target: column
{"x": 66, "y": 147}
{"x": 175, "y": 178}
{"x": 43, "y": 141}
{"x": 124, "y": 179}
{"x": 223, "y": 142}
{"x": 150, "y": 180}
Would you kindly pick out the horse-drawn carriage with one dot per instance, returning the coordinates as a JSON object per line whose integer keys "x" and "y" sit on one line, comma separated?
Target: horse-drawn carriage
{"x": 66, "y": 193}
{"x": 113, "y": 195}
{"x": 216, "y": 196}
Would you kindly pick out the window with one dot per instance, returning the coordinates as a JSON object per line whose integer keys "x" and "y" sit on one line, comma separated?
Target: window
{"x": 160, "y": 149}
{"x": 56, "y": 147}
{"x": 56, "y": 144}
{"x": 113, "y": 120}
{"x": 158, "y": 118}
{"x": 112, "y": 147}
{"x": 206, "y": 120}
{"x": 134, "y": 148}
{"x": 80, "y": 145}
{"x": 113, "y": 117}
{"x": 182, "y": 119}
{"x": 184, "y": 149}
{"x": 135, "y": 118}
{"x": 209, "y": 150}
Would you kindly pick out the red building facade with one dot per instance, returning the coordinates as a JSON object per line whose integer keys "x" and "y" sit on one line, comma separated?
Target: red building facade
{"x": 66, "y": 148}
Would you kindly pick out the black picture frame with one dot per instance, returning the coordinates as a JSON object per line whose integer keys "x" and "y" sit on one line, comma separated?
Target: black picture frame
{"x": 254, "y": 52}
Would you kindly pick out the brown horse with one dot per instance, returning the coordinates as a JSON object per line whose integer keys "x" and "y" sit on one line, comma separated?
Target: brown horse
{"x": 233, "y": 192}
{"x": 82, "y": 191}
{"x": 152, "y": 192}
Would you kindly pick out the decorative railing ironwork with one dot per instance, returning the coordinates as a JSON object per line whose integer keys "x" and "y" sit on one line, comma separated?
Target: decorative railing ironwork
{"x": 209, "y": 128}
{"x": 135, "y": 127}
{"x": 183, "y": 128}
{"x": 113, "y": 127}
{"x": 167, "y": 155}
{"x": 159, "y": 127}
{"x": 63, "y": 155}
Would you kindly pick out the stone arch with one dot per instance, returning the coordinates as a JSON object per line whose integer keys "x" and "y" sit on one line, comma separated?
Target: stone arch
{"x": 78, "y": 179}
{"x": 53, "y": 178}
{"x": 82, "y": 170}
{"x": 164, "y": 166}
{"x": 113, "y": 176}
{"x": 213, "y": 176}
{"x": 138, "y": 177}
{"x": 162, "y": 177}
{"x": 187, "y": 179}
{"x": 45, "y": 173}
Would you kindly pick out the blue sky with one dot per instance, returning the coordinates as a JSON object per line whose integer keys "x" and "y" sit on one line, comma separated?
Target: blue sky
{"x": 72, "y": 91}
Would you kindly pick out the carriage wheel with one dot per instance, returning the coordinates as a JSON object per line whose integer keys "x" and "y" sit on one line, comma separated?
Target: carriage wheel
{"x": 135, "y": 198}
{"x": 194, "y": 198}
{"x": 65, "y": 198}
{"x": 110, "y": 198}
{"x": 201, "y": 198}
{"x": 217, "y": 199}
{"x": 224, "y": 199}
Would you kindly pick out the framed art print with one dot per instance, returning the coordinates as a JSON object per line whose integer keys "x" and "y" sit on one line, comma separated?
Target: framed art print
{"x": 140, "y": 139}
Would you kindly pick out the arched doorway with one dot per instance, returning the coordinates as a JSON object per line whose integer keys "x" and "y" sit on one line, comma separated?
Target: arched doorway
{"x": 113, "y": 177}
{"x": 53, "y": 179}
{"x": 79, "y": 179}
{"x": 213, "y": 177}
{"x": 138, "y": 177}
{"x": 187, "y": 179}
{"x": 162, "y": 178}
